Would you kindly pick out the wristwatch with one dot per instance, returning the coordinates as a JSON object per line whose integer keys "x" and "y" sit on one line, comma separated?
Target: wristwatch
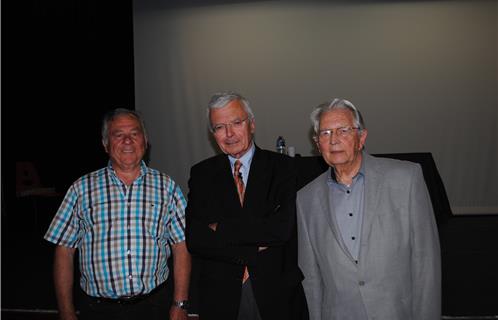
{"x": 183, "y": 304}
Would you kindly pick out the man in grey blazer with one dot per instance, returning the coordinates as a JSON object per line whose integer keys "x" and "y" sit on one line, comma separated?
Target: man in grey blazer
{"x": 368, "y": 242}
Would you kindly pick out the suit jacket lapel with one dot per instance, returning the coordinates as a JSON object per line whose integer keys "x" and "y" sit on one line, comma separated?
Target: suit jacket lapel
{"x": 258, "y": 178}
{"x": 256, "y": 182}
{"x": 225, "y": 184}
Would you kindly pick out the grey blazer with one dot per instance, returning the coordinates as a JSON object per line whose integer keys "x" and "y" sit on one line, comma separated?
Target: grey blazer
{"x": 398, "y": 275}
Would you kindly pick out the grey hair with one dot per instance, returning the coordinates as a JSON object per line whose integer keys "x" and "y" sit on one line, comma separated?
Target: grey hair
{"x": 332, "y": 105}
{"x": 113, "y": 114}
{"x": 221, "y": 99}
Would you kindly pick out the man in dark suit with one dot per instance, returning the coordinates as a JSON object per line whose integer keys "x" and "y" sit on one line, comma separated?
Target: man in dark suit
{"x": 241, "y": 223}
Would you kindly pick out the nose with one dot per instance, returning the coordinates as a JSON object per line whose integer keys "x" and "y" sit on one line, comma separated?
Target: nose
{"x": 334, "y": 139}
{"x": 228, "y": 130}
{"x": 127, "y": 139}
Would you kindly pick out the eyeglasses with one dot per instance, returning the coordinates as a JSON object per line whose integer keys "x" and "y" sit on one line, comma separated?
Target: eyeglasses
{"x": 235, "y": 124}
{"x": 342, "y": 132}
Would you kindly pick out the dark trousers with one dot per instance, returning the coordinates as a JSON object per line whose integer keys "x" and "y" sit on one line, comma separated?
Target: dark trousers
{"x": 154, "y": 306}
{"x": 248, "y": 309}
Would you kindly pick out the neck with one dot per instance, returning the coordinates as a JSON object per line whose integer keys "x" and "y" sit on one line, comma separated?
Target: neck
{"x": 345, "y": 173}
{"x": 241, "y": 154}
{"x": 127, "y": 175}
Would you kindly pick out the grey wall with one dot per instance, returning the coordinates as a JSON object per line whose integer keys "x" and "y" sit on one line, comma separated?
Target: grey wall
{"x": 423, "y": 73}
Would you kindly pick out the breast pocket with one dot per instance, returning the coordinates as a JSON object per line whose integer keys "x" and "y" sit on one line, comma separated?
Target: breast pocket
{"x": 154, "y": 219}
{"x": 96, "y": 217}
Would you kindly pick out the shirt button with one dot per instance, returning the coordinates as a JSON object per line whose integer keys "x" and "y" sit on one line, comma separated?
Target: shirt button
{"x": 361, "y": 283}
{"x": 352, "y": 238}
{"x": 348, "y": 192}
{"x": 350, "y": 214}
{"x": 129, "y": 252}
{"x": 130, "y": 276}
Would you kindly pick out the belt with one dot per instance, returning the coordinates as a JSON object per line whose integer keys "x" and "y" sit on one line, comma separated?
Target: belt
{"x": 127, "y": 299}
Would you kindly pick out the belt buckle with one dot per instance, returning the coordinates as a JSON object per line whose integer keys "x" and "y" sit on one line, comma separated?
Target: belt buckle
{"x": 129, "y": 299}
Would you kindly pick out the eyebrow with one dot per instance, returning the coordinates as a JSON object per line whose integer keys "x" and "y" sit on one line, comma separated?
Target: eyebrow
{"x": 135, "y": 129}
{"x": 339, "y": 127}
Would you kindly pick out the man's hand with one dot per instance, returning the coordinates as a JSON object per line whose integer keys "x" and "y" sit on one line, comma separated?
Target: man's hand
{"x": 176, "y": 313}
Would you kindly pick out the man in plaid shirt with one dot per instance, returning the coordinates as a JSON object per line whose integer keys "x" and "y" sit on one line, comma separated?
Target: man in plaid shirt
{"x": 126, "y": 220}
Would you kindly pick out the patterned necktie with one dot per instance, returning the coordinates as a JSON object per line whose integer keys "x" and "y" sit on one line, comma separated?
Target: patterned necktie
{"x": 237, "y": 176}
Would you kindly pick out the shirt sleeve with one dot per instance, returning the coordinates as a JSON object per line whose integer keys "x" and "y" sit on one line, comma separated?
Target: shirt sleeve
{"x": 65, "y": 228}
{"x": 176, "y": 210}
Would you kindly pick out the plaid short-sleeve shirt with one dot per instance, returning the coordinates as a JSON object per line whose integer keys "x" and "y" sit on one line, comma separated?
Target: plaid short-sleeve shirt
{"x": 123, "y": 233}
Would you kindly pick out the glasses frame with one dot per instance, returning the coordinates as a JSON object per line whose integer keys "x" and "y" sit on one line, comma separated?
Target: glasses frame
{"x": 341, "y": 133}
{"x": 235, "y": 124}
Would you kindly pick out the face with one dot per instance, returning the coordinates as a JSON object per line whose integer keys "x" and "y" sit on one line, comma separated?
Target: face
{"x": 234, "y": 140}
{"x": 126, "y": 146}
{"x": 336, "y": 150}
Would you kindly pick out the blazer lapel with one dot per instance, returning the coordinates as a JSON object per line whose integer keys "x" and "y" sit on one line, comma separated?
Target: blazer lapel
{"x": 373, "y": 183}
{"x": 327, "y": 209}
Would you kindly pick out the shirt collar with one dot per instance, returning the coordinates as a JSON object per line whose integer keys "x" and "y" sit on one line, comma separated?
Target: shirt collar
{"x": 331, "y": 179}
{"x": 143, "y": 171}
{"x": 246, "y": 159}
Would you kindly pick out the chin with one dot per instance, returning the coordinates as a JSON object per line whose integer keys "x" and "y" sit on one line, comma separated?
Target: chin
{"x": 336, "y": 162}
{"x": 232, "y": 150}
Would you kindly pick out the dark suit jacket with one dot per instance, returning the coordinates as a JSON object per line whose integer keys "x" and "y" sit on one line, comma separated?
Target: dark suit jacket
{"x": 267, "y": 219}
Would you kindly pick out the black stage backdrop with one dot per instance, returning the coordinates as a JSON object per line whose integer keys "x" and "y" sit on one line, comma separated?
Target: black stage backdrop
{"x": 64, "y": 64}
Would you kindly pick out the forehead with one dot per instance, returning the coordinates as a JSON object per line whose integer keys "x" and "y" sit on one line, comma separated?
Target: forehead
{"x": 228, "y": 112}
{"x": 337, "y": 117}
{"x": 124, "y": 121}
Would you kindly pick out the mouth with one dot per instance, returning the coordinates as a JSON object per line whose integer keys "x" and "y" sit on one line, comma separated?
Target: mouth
{"x": 334, "y": 152}
{"x": 231, "y": 142}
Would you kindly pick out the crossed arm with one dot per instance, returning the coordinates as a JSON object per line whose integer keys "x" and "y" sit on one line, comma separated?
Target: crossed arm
{"x": 237, "y": 236}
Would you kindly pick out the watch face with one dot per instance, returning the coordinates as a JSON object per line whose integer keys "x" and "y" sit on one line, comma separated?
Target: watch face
{"x": 181, "y": 304}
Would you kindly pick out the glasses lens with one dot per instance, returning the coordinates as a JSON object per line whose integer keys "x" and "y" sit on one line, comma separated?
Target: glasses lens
{"x": 324, "y": 134}
{"x": 344, "y": 132}
{"x": 218, "y": 128}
